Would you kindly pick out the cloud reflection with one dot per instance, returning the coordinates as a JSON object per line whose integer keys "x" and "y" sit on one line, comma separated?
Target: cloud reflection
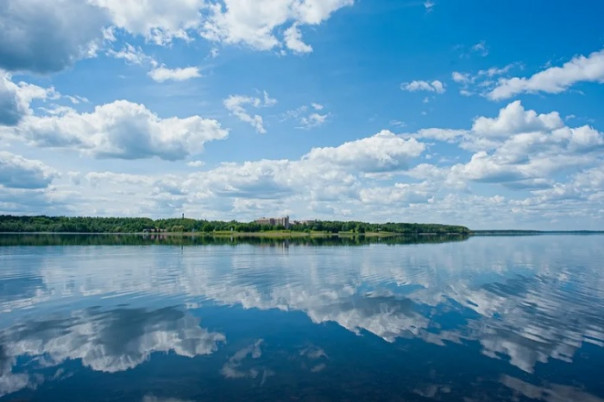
{"x": 526, "y": 300}
{"x": 107, "y": 341}
{"x": 549, "y": 392}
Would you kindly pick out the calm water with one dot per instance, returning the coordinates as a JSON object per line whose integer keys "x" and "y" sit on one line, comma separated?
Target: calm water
{"x": 485, "y": 318}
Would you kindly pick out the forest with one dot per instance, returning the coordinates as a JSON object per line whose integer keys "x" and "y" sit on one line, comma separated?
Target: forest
{"x": 64, "y": 224}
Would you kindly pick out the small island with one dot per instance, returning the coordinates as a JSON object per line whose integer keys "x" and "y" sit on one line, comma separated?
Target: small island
{"x": 264, "y": 227}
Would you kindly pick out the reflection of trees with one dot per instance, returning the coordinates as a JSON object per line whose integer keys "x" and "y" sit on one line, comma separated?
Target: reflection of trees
{"x": 107, "y": 341}
{"x": 55, "y": 239}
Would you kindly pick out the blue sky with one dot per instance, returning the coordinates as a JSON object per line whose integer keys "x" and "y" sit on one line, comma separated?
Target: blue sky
{"x": 486, "y": 114}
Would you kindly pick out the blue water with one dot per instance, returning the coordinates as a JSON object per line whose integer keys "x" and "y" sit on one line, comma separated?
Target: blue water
{"x": 485, "y": 318}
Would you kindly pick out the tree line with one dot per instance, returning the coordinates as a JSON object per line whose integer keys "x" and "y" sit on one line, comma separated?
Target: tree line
{"x": 62, "y": 224}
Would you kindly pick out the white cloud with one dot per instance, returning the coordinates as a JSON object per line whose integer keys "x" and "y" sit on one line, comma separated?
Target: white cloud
{"x": 195, "y": 164}
{"x": 429, "y": 5}
{"x": 313, "y": 120}
{"x": 481, "y": 82}
{"x": 293, "y": 40}
{"x": 236, "y": 105}
{"x": 12, "y": 109}
{"x": 514, "y": 119}
{"x": 156, "y": 20}
{"x": 520, "y": 147}
{"x": 383, "y": 151}
{"x": 400, "y": 194}
{"x": 414, "y": 86}
{"x": 322, "y": 176}
{"x": 533, "y": 167}
{"x": 253, "y": 22}
{"x": 132, "y": 55}
{"x": 308, "y": 116}
{"x": 158, "y": 73}
{"x": 461, "y": 78}
{"x": 121, "y": 129}
{"x": 481, "y": 48}
{"x": 161, "y": 74}
{"x": 18, "y": 172}
{"x": 43, "y": 36}
{"x": 530, "y": 158}
{"x": 554, "y": 79}
{"x": 15, "y": 99}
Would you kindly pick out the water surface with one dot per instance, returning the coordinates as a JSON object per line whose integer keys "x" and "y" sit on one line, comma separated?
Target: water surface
{"x": 128, "y": 318}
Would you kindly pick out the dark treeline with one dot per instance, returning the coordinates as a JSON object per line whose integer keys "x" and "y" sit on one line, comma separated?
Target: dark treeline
{"x": 58, "y": 224}
{"x": 63, "y": 239}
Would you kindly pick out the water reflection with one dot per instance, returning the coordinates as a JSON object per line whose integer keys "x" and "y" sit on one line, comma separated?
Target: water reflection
{"x": 107, "y": 341}
{"x": 523, "y": 303}
{"x": 63, "y": 239}
{"x": 549, "y": 393}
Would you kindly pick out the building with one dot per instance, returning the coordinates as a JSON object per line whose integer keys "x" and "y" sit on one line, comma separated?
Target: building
{"x": 284, "y": 221}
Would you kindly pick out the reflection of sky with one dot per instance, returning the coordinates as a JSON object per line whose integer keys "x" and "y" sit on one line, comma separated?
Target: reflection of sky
{"x": 107, "y": 341}
{"x": 524, "y": 299}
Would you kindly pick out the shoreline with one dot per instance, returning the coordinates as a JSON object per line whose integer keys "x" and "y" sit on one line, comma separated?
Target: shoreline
{"x": 284, "y": 234}
{"x": 226, "y": 234}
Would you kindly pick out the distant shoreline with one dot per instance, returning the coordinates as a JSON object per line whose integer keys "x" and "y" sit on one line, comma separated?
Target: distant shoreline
{"x": 284, "y": 234}
{"x": 277, "y": 229}
{"x": 266, "y": 234}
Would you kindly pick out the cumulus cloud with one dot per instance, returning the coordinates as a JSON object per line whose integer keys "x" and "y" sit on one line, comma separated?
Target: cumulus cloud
{"x": 121, "y": 129}
{"x": 514, "y": 119}
{"x": 18, "y": 172}
{"x": 44, "y": 37}
{"x": 414, "y": 86}
{"x": 157, "y": 72}
{"x": 554, "y": 79}
{"x": 161, "y": 74}
{"x": 254, "y": 23}
{"x": 383, "y": 151}
{"x": 236, "y": 105}
{"x": 15, "y": 99}
{"x": 534, "y": 166}
{"x": 520, "y": 147}
{"x": 293, "y": 40}
{"x": 158, "y": 21}
{"x": 12, "y": 109}
{"x": 322, "y": 176}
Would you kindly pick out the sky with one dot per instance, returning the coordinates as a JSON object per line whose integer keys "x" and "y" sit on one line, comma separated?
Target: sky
{"x": 480, "y": 113}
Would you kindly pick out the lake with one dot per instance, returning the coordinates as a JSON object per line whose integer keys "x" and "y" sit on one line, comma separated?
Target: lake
{"x": 419, "y": 319}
